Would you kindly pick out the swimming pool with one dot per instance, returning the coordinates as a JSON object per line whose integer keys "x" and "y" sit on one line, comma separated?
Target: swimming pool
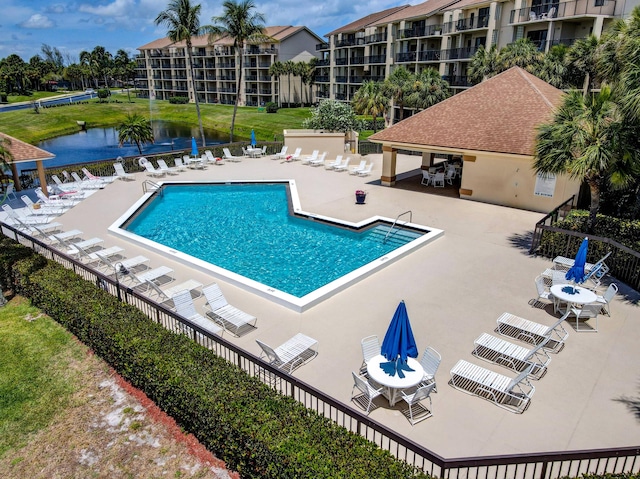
{"x": 257, "y": 235}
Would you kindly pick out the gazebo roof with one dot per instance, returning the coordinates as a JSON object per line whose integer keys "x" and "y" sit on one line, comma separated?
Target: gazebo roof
{"x": 22, "y": 151}
{"x": 499, "y": 115}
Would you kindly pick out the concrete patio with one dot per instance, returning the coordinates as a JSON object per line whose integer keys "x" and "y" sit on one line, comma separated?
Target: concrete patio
{"x": 454, "y": 289}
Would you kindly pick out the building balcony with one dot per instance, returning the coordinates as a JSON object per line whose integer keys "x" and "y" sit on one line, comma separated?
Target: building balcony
{"x": 264, "y": 78}
{"x": 323, "y": 94}
{"x": 458, "y": 53}
{"x": 376, "y": 38}
{"x": 341, "y": 79}
{"x": 227, "y": 90}
{"x": 411, "y": 32}
{"x": 342, "y": 61}
{"x": 552, "y": 11}
{"x": 356, "y": 61}
{"x": 341, "y": 96}
{"x": 429, "y": 56}
{"x": 323, "y": 63}
{"x": 472, "y": 23}
{"x": 265, "y": 92}
{"x": 457, "y": 80}
{"x": 227, "y": 78}
{"x": 375, "y": 59}
{"x": 357, "y": 79}
{"x": 251, "y": 78}
{"x": 322, "y": 46}
{"x": 406, "y": 57}
{"x": 227, "y": 65}
{"x": 373, "y": 78}
{"x": 322, "y": 79}
{"x": 346, "y": 43}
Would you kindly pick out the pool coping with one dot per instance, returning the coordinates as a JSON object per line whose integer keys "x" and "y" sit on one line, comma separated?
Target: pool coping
{"x": 277, "y": 296}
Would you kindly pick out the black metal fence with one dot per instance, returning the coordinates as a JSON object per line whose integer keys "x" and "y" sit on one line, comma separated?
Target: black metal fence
{"x": 521, "y": 466}
{"x": 550, "y": 241}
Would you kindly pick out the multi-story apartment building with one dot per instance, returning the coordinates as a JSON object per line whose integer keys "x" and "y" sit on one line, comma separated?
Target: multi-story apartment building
{"x": 163, "y": 72}
{"x": 445, "y": 34}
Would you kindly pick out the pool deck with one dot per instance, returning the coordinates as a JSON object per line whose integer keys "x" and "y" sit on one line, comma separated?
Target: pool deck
{"x": 454, "y": 289}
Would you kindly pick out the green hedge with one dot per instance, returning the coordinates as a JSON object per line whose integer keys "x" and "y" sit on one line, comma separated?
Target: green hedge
{"x": 624, "y": 231}
{"x": 255, "y": 430}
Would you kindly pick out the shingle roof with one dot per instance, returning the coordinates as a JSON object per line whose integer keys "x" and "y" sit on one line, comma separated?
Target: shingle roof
{"x": 415, "y": 11}
{"x": 498, "y": 115}
{"x": 156, "y": 44}
{"x": 364, "y": 21}
{"x": 22, "y": 151}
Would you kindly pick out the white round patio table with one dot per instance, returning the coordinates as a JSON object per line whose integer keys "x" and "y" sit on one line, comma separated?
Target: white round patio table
{"x": 572, "y": 295}
{"x": 394, "y": 384}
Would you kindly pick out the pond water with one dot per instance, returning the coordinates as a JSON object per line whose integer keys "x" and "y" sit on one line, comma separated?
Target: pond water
{"x": 97, "y": 144}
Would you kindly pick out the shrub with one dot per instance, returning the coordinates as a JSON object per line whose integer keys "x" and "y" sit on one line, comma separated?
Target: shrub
{"x": 3, "y": 97}
{"x": 178, "y": 100}
{"x": 271, "y": 107}
{"x": 257, "y": 431}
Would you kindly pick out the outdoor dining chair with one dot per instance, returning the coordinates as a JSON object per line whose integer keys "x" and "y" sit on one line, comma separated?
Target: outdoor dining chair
{"x": 417, "y": 412}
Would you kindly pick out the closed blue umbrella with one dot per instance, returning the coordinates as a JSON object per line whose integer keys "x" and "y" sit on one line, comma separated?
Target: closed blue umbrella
{"x": 399, "y": 343}
{"x": 194, "y": 147}
{"x": 253, "y": 138}
{"x": 576, "y": 272}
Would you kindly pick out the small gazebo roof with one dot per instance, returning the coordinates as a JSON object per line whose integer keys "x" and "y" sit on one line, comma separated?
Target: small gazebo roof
{"x": 499, "y": 115}
{"x": 21, "y": 151}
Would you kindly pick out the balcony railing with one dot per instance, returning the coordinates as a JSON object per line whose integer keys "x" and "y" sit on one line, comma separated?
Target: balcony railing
{"x": 355, "y": 79}
{"x": 429, "y": 56}
{"x": 356, "y": 61}
{"x": 342, "y": 61}
{"x": 374, "y": 78}
{"x": 457, "y": 80}
{"x": 322, "y": 46}
{"x": 346, "y": 43}
{"x": 375, "y": 59}
{"x": 472, "y": 23}
{"x": 323, "y": 63}
{"x": 550, "y": 11}
{"x": 411, "y": 32}
{"x": 376, "y": 38}
{"x": 341, "y": 79}
{"x": 322, "y": 79}
{"x": 323, "y": 94}
{"x": 406, "y": 57}
{"x": 458, "y": 53}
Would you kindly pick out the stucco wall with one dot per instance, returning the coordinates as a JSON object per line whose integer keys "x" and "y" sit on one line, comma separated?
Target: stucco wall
{"x": 309, "y": 140}
{"x": 511, "y": 181}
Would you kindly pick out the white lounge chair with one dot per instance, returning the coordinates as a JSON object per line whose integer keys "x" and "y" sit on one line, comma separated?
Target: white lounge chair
{"x": 160, "y": 275}
{"x": 512, "y": 394}
{"x": 165, "y": 295}
{"x": 230, "y": 318}
{"x": 47, "y": 208}
{"x": 366, "y": 392}
{"x": 121, "y": 174}
{"x": 10, "y": 192}
{"x": 282, "y": 154}
{"x": 179, "y": 165}
{"x": 129, "y": 263}
{"x": 185, "y": 308}
{"x": 344, "y": 166}
{"x": 104, "y": 179}
{"x": 24, "y": 225}
{"x": 512, "y": 356}
{"x": 87, "y": 184}
{"x": 319, "y": 161}
{"x": 27, "y": 218}
{"x": 169, "y": 170}
{"x": 53, "y": 199}
{"x": 355, "y": 169}
{"x": 296, "y": 155}
{"x": 534, "y": 333}
{"x": 564, "y": 263}
{"x": 366, "y": 171}
{"x": 416, "y": 411}
{"x": 74, "y": 249}
{"x": 332, "y": 164}
{"x": 65, "y": 235}
{"x": 306, "y": 160}
{"x": 151, "y": 171}
{"x": 229, "y": 157}
{"x": 291, "y": 354}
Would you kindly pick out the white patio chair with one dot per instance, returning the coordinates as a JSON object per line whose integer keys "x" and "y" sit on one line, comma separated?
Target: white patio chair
{"x": 366, "y": 171}
{"x": 306, "y": 160}
{"x": 531, "y": 332}
{"x": 367, "y": 393}
{"x": 282, "y": 154}
{"x": 543, "y": 293}
{"x": 180, "y": 166}
{"x": 370, "y": 348}
{"x": 332, "y": 164}
{"x": 355, "y": 169}
{"x": 151, "y": 170}
{"x": 162, "y": 165}
{"x": 121, "y": 174}
{"x": 319, "y": 161}
{"x": 512, "y": 356}
{"x": 228, "y": 156}
{"x": 512, "y": 394}
{"x": 344, "y": 166}
{"x": 450, "y": 175}
{"x": 165, "y": 295}
{"x": 291, "y": 354}
{"x": 10, "y": 193}
{"x": 438, "y": 180}
{"x": 606, "y": 298}
{"x": 230, "y": 318}
{"x": 430, "y": 362}
{"x": 586, "y": 312}
{"x": 427, "y": 178}
{"x": 414, "y": 400}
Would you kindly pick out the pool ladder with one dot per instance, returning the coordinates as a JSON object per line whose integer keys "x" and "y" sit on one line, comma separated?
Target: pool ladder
{"x": 394, "y": 224}
{"x": 148, "y": 185}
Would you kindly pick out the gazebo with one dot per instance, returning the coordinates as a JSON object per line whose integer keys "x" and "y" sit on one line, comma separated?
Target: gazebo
{"x": 22, "y": 152}
{"x": 492, "y": 127}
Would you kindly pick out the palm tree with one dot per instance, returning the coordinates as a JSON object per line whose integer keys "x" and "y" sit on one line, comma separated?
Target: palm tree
{"x": 398, "y": 85}
{"x": 589, "y": 140}
{"x": 428, "y": 89}
{"x": 241, "y": 23}
{"x": 135, "y": 129}
{"x": 309, "y": 77}
{"x": 555, "y": 66}
{"x": 5, "y": 152}
{"x": 371, "y": 100}
{"x": 522, "y": 53}
{"x": 277, "y": 70}
{"x": 484, "y": 64}
{"x": 182, "y": 20}
{"x": 289, "y": 69}
{"x": 582, "y": 61}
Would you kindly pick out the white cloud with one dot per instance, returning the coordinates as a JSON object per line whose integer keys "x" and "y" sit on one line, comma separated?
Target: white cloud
{"x": 118, "y": 8}
{"x": 38, "y": 21}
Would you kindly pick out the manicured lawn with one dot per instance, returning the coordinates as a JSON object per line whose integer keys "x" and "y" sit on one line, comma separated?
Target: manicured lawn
{"x": 36, "y": 95}
{"x": 35, "y": 379}
{"x": 51, "y": 122}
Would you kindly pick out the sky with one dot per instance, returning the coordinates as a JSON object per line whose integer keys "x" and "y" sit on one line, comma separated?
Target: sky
{"x": 76, "y": 26}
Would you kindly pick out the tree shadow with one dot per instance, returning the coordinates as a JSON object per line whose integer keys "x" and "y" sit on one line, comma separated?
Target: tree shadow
{"x": 522, "y": 241}
{"x": 632, "y": 404}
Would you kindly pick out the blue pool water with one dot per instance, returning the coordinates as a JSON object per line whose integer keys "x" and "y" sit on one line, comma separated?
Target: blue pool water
{"x": 247, "y": 229}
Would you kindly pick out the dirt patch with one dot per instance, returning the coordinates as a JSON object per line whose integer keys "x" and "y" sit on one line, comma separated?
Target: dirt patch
{"x": 111, "y": 430}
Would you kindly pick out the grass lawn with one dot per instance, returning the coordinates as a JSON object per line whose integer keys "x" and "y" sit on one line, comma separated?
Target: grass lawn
{"x": 36, "y": 95}
{"x": 36, "y": 379}
{"x": 51, "y": 122}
